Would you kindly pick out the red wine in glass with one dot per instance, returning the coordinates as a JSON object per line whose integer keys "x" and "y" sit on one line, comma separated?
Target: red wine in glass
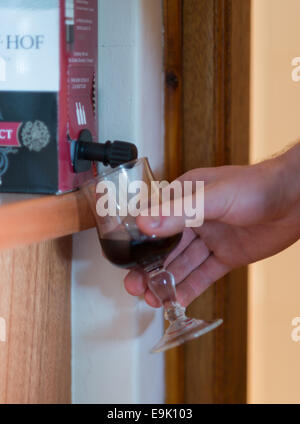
{"x": 142, "y": 251}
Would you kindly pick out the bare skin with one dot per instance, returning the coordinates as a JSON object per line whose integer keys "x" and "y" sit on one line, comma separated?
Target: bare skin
{"x": 251, "y": 213}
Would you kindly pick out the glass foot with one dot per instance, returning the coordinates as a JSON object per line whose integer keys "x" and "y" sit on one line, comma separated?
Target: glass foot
{"x": 183, "y": 330}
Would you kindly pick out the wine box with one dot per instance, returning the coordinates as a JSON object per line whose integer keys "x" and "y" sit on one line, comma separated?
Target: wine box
{"x": 48, "y": 91}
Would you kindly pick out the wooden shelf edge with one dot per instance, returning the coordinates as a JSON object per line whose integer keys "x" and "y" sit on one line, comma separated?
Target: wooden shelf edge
{"x": 28, "y": 221}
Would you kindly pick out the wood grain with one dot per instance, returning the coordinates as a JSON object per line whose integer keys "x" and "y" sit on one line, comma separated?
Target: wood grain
{"x": 173, "y": 87}
{"x": 173, "y": 156}
{"x": 216, "y": 68}
{"x": 212, "y": 126}
{"x": 26, "y": 220}
{"x": 35, "y": 304}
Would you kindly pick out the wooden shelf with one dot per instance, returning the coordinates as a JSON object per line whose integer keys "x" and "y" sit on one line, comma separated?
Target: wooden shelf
{"x": 27, "y": 219}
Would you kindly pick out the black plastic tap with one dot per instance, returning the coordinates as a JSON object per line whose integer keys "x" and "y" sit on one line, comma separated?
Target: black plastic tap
{"x": 110, "y": 153}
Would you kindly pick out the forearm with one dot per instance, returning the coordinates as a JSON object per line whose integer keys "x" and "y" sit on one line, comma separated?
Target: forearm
{"x": 289, "y": 177}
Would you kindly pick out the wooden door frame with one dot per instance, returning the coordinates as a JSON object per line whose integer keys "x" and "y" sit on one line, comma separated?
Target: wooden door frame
{"x": 207, "y": 120}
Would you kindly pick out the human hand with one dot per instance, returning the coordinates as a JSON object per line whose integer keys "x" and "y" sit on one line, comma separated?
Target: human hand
{"x": 250, "y": 212}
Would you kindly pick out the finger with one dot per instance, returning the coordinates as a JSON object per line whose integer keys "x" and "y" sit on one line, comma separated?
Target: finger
{"x": 195, "y": 254}
{"x": 217, "y": 204}
{"x": 180, "y": 211}
{"x": 218, "y": 200}
{"x": 200, "y": 279}
{"x": 188, "y": 236}
{"x": 190, "y": 259}
{"x": 136, "y": 282}
{"x": 208, "y": 175}
{"x": 195, "y": 284}
{"x": 151, "y": 299}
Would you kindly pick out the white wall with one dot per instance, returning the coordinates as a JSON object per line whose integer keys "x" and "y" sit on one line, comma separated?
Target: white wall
{"x": 111, "y": 331}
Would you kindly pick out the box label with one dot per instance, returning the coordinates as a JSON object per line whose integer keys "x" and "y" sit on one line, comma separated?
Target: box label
{"x": 9, "y": 134}
{"x": 28, "y": 146}
{"x": 29, "y": 45}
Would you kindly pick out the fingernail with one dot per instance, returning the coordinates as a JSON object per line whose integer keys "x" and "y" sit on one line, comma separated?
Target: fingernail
{"x": 136, "y": 275}
{"x": 154, "y": 221}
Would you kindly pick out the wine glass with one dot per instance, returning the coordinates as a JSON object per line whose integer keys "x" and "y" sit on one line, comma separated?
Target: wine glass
{"x": 126, "y": 246}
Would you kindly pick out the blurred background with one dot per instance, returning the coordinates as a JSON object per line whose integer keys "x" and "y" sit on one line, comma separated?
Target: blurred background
{"x": 274, "y": 284}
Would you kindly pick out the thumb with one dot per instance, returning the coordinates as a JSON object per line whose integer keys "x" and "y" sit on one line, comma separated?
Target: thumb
{"x": 219, "y": 198}
{"x": 174, "y": 216}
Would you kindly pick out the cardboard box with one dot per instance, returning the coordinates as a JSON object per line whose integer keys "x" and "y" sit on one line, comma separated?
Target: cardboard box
{"x": 48, "y": 91}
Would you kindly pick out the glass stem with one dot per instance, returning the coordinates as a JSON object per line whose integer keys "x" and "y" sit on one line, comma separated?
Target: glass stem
{"x": 162, "y": 285}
